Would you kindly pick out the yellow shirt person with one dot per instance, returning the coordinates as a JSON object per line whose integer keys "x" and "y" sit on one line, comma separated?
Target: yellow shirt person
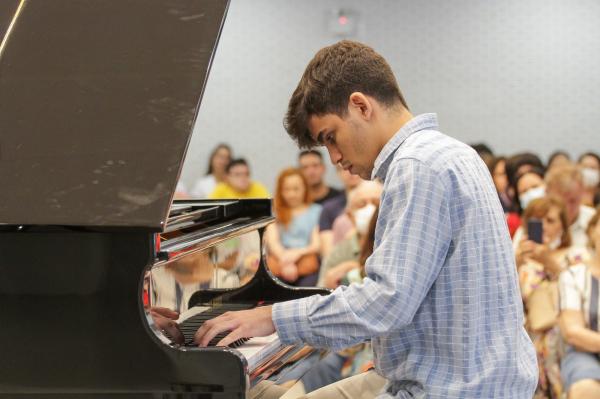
{"x": 224, "y": 191}
{"x": 238, "y": 183}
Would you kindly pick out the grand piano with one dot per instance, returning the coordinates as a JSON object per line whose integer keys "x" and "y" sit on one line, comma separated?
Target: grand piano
{"x": 97, "y": 104}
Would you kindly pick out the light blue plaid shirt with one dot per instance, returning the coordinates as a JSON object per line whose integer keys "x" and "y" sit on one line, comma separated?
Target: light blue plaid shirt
{"x": 441, "y": 300}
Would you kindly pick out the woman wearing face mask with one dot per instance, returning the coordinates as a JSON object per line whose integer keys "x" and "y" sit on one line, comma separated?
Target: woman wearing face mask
{"x": 579, "y": 304}
{"x": 539, "y": 265}
{"x": 345, "y": 256}
{"x": 590, "y": 169}
{"x": 293, "y": 241}
{"x": 361, "y": 204}
{"x": 529, "y": 186}
{"x": 349, "y": 229}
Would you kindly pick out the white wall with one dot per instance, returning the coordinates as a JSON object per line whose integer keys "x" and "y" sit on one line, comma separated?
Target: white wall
{"x": 516, "y": 74}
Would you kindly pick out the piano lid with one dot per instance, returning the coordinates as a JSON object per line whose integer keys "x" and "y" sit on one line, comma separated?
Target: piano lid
{"x": 97, "y": 104}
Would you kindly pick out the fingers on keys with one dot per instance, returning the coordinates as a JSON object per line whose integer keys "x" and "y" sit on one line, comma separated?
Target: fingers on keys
{"x": 213, "y": 327}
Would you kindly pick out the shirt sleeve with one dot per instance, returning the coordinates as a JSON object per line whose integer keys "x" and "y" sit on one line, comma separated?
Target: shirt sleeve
{"x": 325, "y": 220}
{"x": 261, "y": 191}
{"x": 413, "y": 236}
{"x": 570, "y": 289}
{"x": 316, "y": 210}
{"x": 217, "y": 193}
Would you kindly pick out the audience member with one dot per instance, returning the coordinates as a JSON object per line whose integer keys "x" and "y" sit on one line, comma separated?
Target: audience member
{"x": 539, "y": 265}
{"x": 567, "y": 183}
{"x": 498, "y": 171}
{"x": 520, "y": 163}
{"x": 180, "y": 191}
{"x": 558, "y": 159}
{"x": 529, "y": 185}
{"x": 348, "y": 263}
{"x": 312, "y": 166}
{"x": 293, "y": 241}
{"x": 579, "y": 304}
{"x": 590, "y": 170}
{"x": 238, "y": 183}
{"x": 334, "y": 207}
{"x": 484, "y": 151}
{"x": 361, "y": 205}
{"x": 216, "y": 172}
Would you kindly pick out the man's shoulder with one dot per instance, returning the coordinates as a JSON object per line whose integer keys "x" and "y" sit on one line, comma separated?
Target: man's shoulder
{"x": 334, "y": 203}
{"x": 222, "y": 190}
{"x": 429, "y": 145}
{"x": 315, "y": 208}
{"x": 332, "y": 193}
{"x": 436, "y": 151}
{"x": 258, "y": 188}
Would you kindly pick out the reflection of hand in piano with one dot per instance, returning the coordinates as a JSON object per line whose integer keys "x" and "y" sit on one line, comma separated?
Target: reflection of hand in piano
{"x": 255, "y": 322}
{"x": 165, "y": 320}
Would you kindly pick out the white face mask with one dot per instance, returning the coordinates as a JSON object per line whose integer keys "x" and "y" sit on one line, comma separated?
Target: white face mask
{"x": 362, "y": 218}
{"x": 530, "y": 195}
{"x": 591, "y": 177}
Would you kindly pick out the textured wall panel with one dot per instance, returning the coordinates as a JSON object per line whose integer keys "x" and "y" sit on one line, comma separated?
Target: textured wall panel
{"x": 516, "y": 74}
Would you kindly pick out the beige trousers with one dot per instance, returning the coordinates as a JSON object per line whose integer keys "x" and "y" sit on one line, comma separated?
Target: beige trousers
{"x": 362, "y": 386}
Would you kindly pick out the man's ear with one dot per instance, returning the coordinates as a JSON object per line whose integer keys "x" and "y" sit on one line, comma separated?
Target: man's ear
{"x": 361, "y": 104}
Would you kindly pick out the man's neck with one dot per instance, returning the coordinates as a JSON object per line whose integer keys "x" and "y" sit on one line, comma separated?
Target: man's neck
{"x": 393, "y": 121}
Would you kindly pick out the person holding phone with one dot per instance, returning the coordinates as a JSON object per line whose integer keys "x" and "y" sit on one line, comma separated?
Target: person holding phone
{"x": 541, "y": 255}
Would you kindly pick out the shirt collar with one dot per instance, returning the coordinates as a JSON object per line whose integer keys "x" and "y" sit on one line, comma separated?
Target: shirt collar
{"x": 416, "y": 124}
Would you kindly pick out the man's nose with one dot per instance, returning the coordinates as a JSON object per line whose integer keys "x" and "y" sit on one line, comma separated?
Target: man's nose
{"x": 334, "y": 154}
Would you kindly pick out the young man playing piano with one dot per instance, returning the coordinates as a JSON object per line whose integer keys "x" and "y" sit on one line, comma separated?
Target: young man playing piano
{"x": 440, "y": 302}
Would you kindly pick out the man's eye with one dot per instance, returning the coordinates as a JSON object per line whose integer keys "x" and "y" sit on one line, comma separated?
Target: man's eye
{"x": 329, "y": 139}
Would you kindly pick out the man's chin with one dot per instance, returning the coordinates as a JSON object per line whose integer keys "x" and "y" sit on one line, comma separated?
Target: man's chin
{"x": 365, "y": 175}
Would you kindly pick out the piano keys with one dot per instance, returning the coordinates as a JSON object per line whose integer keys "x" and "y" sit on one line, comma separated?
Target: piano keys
{"x": 225, "y": 272}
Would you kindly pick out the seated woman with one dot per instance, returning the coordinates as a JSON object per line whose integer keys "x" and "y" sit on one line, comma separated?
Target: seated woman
{"x": 293, "y": 241}
{"x": 362, "y": 199}
{"x": 216, "y": 172}
{"x": 579, "y": 304}
{"x": 316, "y": 373}
{"x": 590, "y": 169}
{"x": 539, "y": 265}
{"x": 528, "y": 186}
{"x": 362, "y": 204}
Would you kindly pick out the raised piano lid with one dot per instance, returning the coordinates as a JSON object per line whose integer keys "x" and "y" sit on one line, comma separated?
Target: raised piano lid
{"x": 97, "y": 104}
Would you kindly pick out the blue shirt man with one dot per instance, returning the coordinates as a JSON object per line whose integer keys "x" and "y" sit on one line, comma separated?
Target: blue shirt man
{"x": 440, "y": 302}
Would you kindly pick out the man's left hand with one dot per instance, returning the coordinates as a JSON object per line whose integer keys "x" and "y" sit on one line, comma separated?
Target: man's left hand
{"x": 165, "y": 320}
{"x": 242, "y": 324}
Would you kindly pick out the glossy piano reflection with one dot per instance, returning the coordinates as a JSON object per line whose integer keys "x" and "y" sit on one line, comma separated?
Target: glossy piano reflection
{"x": 208, "y": 265}
{"x": 229, "y": 264}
